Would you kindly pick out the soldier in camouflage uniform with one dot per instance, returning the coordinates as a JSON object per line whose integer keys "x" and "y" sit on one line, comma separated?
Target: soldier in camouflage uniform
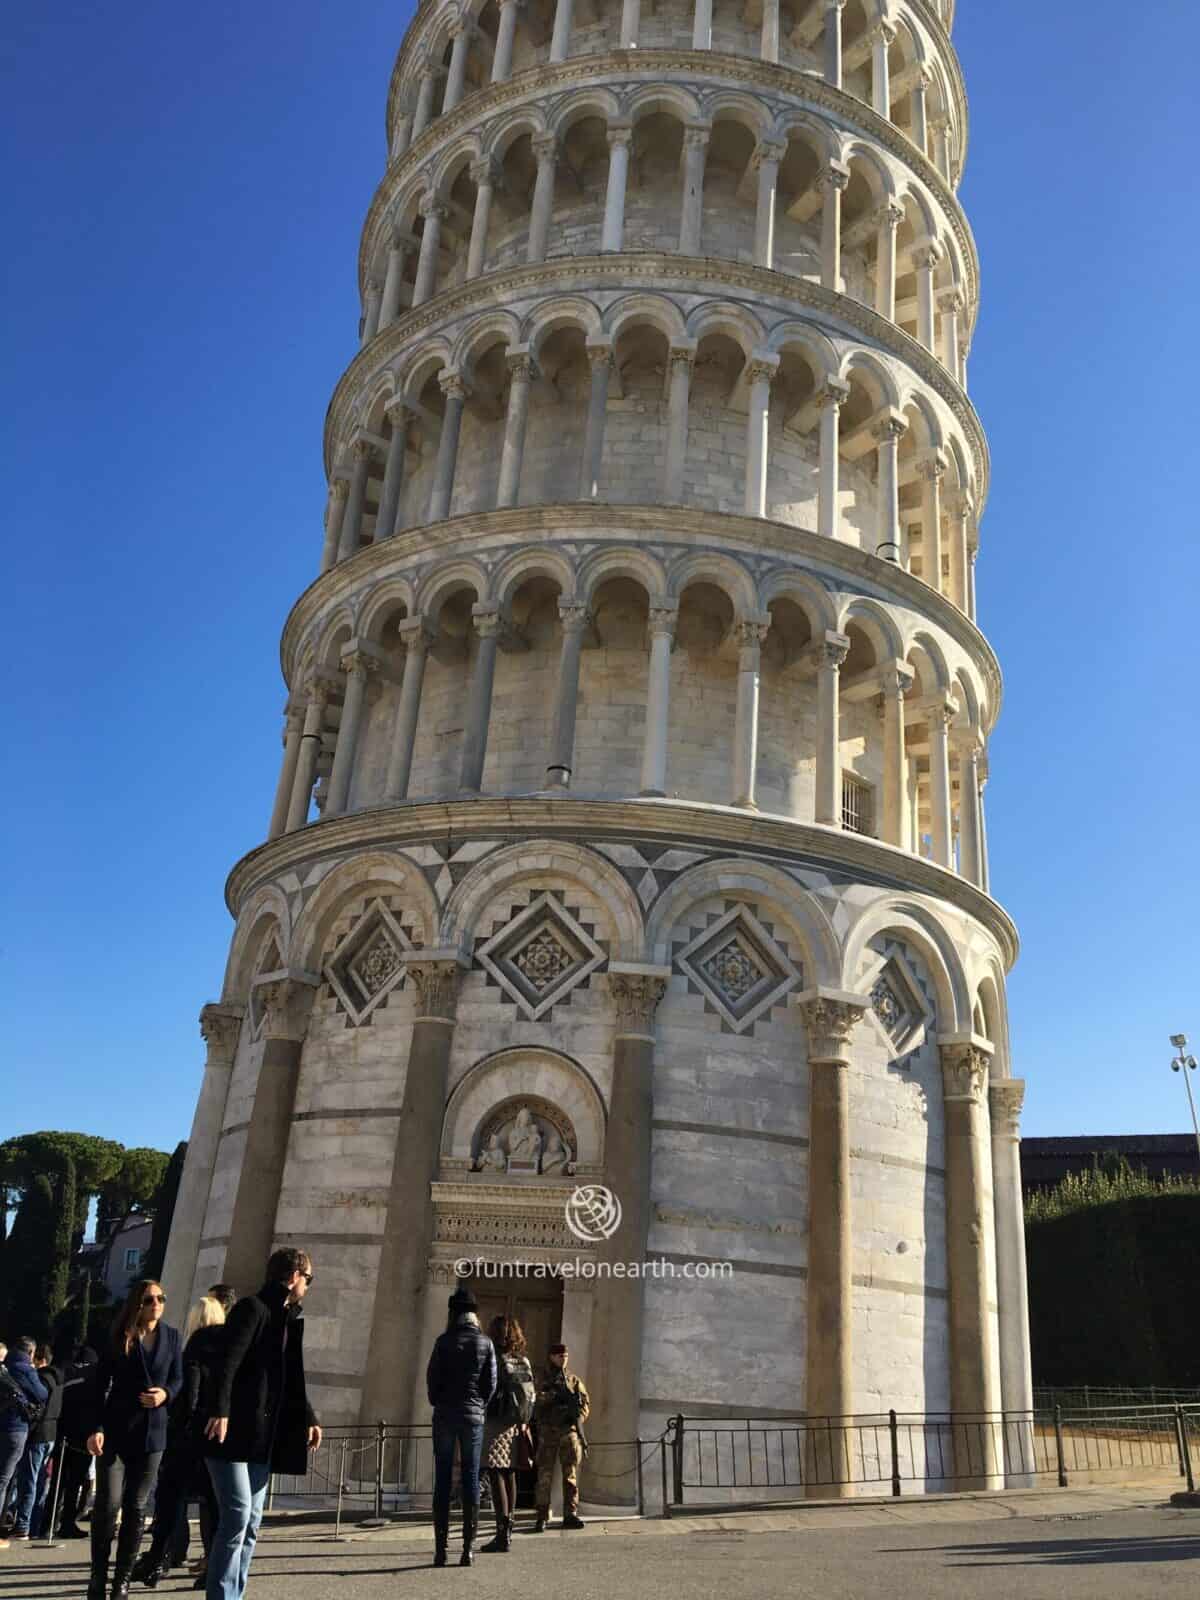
{"x": 560, "y": 1412}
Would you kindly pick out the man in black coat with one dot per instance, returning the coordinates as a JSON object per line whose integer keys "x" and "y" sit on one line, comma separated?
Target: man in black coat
{"x": 71, "y": 1458}
{"x": 460, "y": 1380}
{"x": 263, "y": 1422}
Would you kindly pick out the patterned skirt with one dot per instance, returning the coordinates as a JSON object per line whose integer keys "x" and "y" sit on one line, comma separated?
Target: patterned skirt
{"x": 497, "y": 1450}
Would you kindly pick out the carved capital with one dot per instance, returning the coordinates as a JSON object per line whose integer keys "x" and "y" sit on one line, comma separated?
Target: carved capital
{"x": 830, "y": 1018}
{"x": 575, "y": 618}
{"x": 896, "y": 679}
{"x": 833, "y": 650}
{"x": 396, "y": 412}
{"x": 619, "y": 133}
{"x": 965, "y": 1069}
{"x": 767, "y": 150}
{"x": 362, "y": 449}
{"x": 761, "y": 369}
{"x": 889, "y": 215}
{"x": 488, "y": 624}
{"x": 832, "y": 395}
{"x": 682, "y": 356}
{"x": 661, "y": 621}
{"x": 339, "y": 489}
{"x": 600, "y": 355}
{"x": 521, "y": 366}
{"x": 750, "y": 634}
{"x": 889, "y": 426}
{"x": 360, "y": 663}
{"x": 431, "y": 206}
{"x": 435, "y": 975}
{"x": 545, "y": 147}
{"x": 926, "y": 257}
{"x": 1006, "y": 1096}
{"x": 695, "y": 138}
{"x": 220, "y": 1026}
{"x": 452, "y": 384}
{"x": 831, "y": 178}
{"x": 951, "y": 302}
{"x": 932, "y": 468}
{"x": 883, "y": 33}
{"x": 635, "y": 993}
{"x": 484, "y": 172}
{"x": 284, "y": 1005}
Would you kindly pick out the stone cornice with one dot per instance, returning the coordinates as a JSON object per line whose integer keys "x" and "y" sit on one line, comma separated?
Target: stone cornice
{"x": 660, "y": 821}
{"x": 585, "y": 520}
{"x": 668, "y": 273}
{"x": 922, "y": 9}
{"x": 802, "y": 90}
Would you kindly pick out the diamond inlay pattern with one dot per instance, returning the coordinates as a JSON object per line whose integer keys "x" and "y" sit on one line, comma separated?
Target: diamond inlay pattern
{"x": 541, "y": 955}
{"x": 368, "y": 963}
{"x": 739, "y": 965}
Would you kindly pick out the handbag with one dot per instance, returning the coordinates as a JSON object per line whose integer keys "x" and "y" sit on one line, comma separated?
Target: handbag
{"x": 14, "y": 1398}
{"x": 522, "y": 1451}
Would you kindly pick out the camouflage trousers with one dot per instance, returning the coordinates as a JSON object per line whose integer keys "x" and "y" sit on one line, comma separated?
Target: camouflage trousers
{"x": 567, "y": 1450}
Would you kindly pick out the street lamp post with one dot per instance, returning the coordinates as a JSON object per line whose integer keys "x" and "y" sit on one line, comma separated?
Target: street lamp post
{"x": 1185, "y": 1063}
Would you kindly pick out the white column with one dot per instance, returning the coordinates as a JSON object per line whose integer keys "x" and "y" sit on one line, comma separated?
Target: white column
{"x": 941, "y": 146}
{"x": 702, "y": 25}
{"x": 560, "y": 42}
{"x": 831, "y": 183}
{"x": 951, "y": 303}
{"x": 460, "y": 32}
{"x": 931, "y": 469}
{"x": 512, "y": 451}
{"x": 351, "y": 528}
{"x": 769, "y": 48}
{"x": 371, "y": 307}
{"x": 620, "y": 137}
{"x": 765, "y": 160}
{"x": 984, "y": 873}
{"x": 896, "y": 680}
{"x": 484, "y": 175}
{"x": 393, "y": 283}
{"x": 925, "y": 259}
{"x": 600, "y": 357}
{"x": 335, "y": 512}
{"x": 455, "y": 391}
{"x": 310, "y": 749}
{"x": 970, "y": 841}
{"x": 479, "y": 703}
{"x": 424, "y": 109}
{"x": 941, "y": 715}
{"x": 631, "y": 23}
{"x": 403, "y": 138}
{"x": 679, "y": 359}
{"x": 888, "y": 431}
{"x": 505, "y": 35}
{"x": 433, "y": 211}
{"x": 833, "y": 41}
{"x": 292, "y": 725}
{"x": 958, "y": 519}
{"x": 1005, "y": 1099}
{"x": 545, "y": 148}
{"x": 760, "y": 369}
{"x": 882, "y": 36}
{"x": 889, "y": 218}
{"x": 972, "y": 557}
{"x": 358, "y": 665}
{"x": 750, "y": 636}
{"x": 920, "y": 121}
{"x": 695, "y": 148}
{"x": 417, "y": 639}
{"x": 575, "y": 623}
{"x": 831, "y": 652}
{"x": 393, "y": 472}
{"x": 830, "y": 401}
{"x": 661, "y": 623}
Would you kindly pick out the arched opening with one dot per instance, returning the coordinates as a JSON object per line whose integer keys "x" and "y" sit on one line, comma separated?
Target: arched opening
{"x": 653, "y": 193}
{"x": 730, "y": 192}
{"x": 704, "y": 674}
{"x": 611, "y": 716}
{"x": 787, "y": 713}
{"x": 441, "y": 728}
{"x": 798, "y": 211}
{"x": 558, "y": 405}
{"x": 581, "y": 182}
{"x": 525, "y": 690}
{"x": 635, "y": 429}
{"x": 715, "y": 473}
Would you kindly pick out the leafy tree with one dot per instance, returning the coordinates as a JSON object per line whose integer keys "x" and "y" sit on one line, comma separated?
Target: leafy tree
{"x": 130, "y": 1191}
{"x": 164, "y": 1211}
{"x": 29, "y": 1268}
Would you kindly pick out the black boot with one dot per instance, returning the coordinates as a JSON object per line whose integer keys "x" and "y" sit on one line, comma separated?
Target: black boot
{"x": 441, "y": 1537}
{"x": 543, "y": 1517}
{"x": 470, "y": 1519}
{"x": 500, "y": 1540}
{"x": 508, "y": 1528}
{"x": 128, "y": 1540}
{"x": 149, "y": 1567}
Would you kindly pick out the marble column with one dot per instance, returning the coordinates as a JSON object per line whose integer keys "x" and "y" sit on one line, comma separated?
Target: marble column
{"x": 600, "y": 358}
{"x": 350, "y": 532}
{"x": 393, "y": 283}
{"x": 483, "y": 174}
{"x": 371, "y": 307}
{"x": 941, "y": 714}
{"x": 759, "y": 372}
{"x": 575, "y": 624}
{"x": 895, "y": 681}
{"x": 403, "y": 137}
{"x": 479, "y": 703}
{"x": 615, "y": 1379}
{"x": 424, "y": 107}
{"x": 292, "y": 728}
{"x": 434, "y": 213}
{"x": 965, "y": 1064}
{"x": 661, "y": 623}
{"x": 889, "y": 430}
{"x": 360, "y": 663}
{"x": 919, "y": 132}
{"x": 970, "y": 841}
{"x": 620, "y": 137}
{"x": 950, "y": 304}
{"x": 560, "y": 41}
{"x": 830, "y": 1018}
{"x": 395, "y": 1359}
{"x": 959, "y": 519}
{"x": 766, "y": 158}
{"x": 769, "y": 37}
{"x": 631, "y": 23}
{"x": 941, "y": 147}
{"x": 832, "y": 184}
{"x": 830, "y": 401}
{"x": 417, "y": 637}
{"x": 455, "y": 391}
{"x": 335, "y": 511}
{"x": 512, "y": 451}
{"x": 702, "y": 25}
{"x": 220, "y": 1026}
{"x": 833, "y": 41}
{"x": 931, "y": 470}
{"x": 679, "y": 359}
{"x": 925, "y": 259}
{"x": 749, "y": 635}
{"x": 1005, "y": 1099}
{"x": 882, "y": 37}
{"x": 460, "y": 33}
{"x": 889, "y": 217}
{"x": 505, "y": 35}
{"x": 310, "y": 749}
{"x": 695, "y": 152}
{"x": 972, "y": 557}
{"x": 545, "y": 149}
{"x": 984, "y": 873}
{"x": 284, "y": 1004}
{"x": 393, "y": 472}
{"x": 831, "y": 653}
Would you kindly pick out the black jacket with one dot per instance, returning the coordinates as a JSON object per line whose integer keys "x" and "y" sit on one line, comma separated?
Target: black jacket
{"x": 25, "y": 1375}
{"x": 201, "y": 1356}
{"x": 121, "y": 1377}
{"x": 53, "y": 1377}
{"x": 461, "y": 1376}
{"x": 75, "y": 1418}
{"x": 258, "y": 1383}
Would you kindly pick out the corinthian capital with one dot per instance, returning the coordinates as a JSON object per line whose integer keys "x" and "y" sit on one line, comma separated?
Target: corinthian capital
{"x": 965, "y": 1064}
{"x": 220, "y": 1026}
{"x": 1006, "y": 1096}
{"x": 435, "y": 975}
{"x": 830, "y": 1018}
{"x": 636, "y": 991}
{"x": 284, "y": 1005}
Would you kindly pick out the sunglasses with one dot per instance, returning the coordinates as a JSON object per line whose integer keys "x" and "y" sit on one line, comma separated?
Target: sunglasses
{"x": 154, "y": 1299}
{"x": 307, "y": 1276}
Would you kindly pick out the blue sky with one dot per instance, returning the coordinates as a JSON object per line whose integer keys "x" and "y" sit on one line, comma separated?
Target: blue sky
{"x": 188, "y": 191}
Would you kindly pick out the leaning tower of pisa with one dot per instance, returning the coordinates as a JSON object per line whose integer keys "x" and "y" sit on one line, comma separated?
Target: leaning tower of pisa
{"x": 629, "y": 827}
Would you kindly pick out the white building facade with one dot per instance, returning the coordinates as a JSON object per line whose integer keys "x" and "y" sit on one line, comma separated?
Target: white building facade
{"x": 630, "y": 821}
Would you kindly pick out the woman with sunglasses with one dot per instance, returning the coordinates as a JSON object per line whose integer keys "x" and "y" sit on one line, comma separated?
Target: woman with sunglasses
{"x": 139, "y": 1373}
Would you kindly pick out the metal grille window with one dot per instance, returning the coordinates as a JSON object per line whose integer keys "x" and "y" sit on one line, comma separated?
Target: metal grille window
{"x": 858, "y": 805}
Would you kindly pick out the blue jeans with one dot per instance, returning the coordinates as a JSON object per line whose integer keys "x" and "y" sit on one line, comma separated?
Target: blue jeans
{"x": 241, "y": 1491}
{"x": 468, "y": 1436}
{"x": 31, "y": 1485}
{"x": 12, "y": 1448}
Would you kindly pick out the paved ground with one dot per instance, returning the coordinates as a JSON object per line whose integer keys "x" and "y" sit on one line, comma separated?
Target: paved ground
{"x": 1093, "y": 1544}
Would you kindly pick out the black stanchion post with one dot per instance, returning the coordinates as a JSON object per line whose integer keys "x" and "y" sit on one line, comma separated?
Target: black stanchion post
{"x": 1058, "y": 1446}
{"x": 381, "y": 1433}
{"x": 894, "y": 1437}
{"x": 662, "y": 1459}
{"x": 48, "y": 1542}
{"x": 677, "y": 1459}
{"x": 641, "y": 1483}
{"x": 1185, "y": 1452}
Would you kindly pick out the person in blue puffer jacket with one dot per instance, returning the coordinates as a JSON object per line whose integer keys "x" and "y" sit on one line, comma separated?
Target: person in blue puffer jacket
{"x": 14, "y": 1419}
{"x": 460, "y": 1380}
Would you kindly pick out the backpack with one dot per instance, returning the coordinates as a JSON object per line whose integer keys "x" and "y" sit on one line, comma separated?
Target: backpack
{"x": 14, "y": 1398}
{"x": 513, "y": 1403}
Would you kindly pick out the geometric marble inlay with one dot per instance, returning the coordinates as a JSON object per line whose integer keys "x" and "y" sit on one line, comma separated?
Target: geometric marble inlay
{"x": 369, "y": 962}
{"x": 739, "y": 966}
{"x": 541, "y": 956}
{"x": 897, "y": 1004}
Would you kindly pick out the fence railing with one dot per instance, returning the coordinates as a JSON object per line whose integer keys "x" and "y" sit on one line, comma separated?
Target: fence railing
{"x": 1091, "y": 1397}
